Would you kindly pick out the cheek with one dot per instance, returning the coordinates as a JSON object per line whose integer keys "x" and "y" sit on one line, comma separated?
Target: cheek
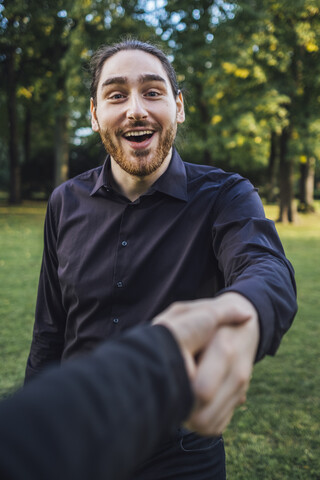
{"x": 166, "y": 115}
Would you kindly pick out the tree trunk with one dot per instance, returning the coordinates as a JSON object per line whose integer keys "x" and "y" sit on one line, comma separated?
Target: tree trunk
{"x": 287, "y": 213}
{"x": 271, "y": 193}
{"x": 307, "y": 173}
{"x": 27, "y": 135}
{"x": 15, "y": 174}
{"x": 61, "y": 149}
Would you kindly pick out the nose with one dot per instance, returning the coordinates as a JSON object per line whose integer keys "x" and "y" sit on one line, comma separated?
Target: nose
{"x": 136, "y": 109}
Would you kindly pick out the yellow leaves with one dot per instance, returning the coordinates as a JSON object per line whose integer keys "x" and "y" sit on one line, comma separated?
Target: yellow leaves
{"x": 311, "y": 47}
{"x": 48, "y": 29}
{"x": 216, "y": 119}
{"x": 311, "y": 10}
{"x": 307, "y": 37}
{"x": 192, "y": 109}
{"x": 25, "y": 92}
{"x": 295, "y": 135}
{"x": 259, "y": 74}
{"x": 257, "y": 140}
{"x": 229, "y": 67}
{"x": 242, "y": 73}
{"x": 303, "y": 159}
{"x": 59, "y": 96}
{"x": 232, "y": 69}
{"x": 240, "y": 140}
{"x": 85, "y": 54}
{"x": 97, "y": 19}
{"x": 214, "y": 100}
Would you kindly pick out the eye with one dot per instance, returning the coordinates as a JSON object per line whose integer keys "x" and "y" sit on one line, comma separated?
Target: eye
{"x": 116, "y": 96}
{"x": 153, "y": 93}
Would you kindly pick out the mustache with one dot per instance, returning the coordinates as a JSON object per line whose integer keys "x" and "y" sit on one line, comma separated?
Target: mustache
{"x": 138, "y": 123}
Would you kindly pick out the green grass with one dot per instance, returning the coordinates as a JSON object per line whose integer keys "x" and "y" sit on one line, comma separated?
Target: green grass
{"x": 276, "y": 434}
{"x": 20, "y": 257}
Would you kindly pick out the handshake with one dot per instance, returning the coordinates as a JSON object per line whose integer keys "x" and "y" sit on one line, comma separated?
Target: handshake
{"x": 71, "y": 411}
{"x": 218, "y": 339}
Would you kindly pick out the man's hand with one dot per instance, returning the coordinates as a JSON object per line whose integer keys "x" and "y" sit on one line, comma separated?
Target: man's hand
{"x": 219, "y": 339}
{"x": 194, "y": 323}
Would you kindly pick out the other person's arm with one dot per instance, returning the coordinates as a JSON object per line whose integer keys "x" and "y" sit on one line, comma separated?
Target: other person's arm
{"x": 101, "y": 415}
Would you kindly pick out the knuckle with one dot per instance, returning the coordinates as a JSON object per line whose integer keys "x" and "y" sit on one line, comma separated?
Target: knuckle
{"x": 242, "y": 380}
{"x": 177, "y": 307}
{"x": 227, "y": 350}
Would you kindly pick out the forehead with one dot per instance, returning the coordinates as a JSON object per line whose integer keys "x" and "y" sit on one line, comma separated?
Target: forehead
{"x": 132, "y": 64}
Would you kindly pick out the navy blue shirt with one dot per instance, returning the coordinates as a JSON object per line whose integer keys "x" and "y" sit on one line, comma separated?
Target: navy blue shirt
{"x": 110, "y": 263}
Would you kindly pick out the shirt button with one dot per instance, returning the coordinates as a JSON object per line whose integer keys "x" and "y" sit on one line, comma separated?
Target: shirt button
{"x": 124, "y": 243}
{"x": 119, "y": 284}
{"x": 116, "y": 320}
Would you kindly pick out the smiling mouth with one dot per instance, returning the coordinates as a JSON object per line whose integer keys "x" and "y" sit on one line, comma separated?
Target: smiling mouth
{"x": 138, "y": 136}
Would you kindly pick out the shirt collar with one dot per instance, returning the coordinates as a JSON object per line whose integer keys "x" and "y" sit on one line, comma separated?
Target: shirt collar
{"x": 172, "y": 182}
{"x": 103, "y": 180}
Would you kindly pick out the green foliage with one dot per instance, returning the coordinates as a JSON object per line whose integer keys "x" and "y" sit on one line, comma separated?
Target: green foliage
{"x": 249, "y": 69}
{"x": 52, "y": 44}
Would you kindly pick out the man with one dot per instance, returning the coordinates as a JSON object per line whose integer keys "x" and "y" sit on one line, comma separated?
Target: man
{"x": 126, "y": 240}
{"x": 82, "y": 421}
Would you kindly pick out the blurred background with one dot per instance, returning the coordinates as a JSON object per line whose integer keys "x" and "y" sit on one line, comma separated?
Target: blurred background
{"x": 250, "y": 73}
{"x": 249, "y": 70}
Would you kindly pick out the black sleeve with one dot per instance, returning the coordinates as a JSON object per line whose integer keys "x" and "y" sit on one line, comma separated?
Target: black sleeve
{"x": 50, "y": 318}
{"x": 99, "y": 416}
{"x": 253, "y": 261}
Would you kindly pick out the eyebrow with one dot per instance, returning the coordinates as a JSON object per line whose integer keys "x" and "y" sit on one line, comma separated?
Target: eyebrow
{"x": 120, "y": 80}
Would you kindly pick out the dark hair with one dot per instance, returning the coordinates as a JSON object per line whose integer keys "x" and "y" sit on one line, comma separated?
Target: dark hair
{"x": 106, "y": 51}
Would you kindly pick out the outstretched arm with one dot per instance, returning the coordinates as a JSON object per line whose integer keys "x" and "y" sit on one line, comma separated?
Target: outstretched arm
{"x": 221, "y": 365}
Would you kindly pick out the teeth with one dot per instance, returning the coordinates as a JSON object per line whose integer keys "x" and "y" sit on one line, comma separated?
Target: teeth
{"x": 138, "y": 133}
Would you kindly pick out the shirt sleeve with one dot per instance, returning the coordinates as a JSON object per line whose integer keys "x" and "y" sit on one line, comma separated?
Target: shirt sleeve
{"x": 50, "y": 318}
{"x": 98, "y": 416}
{"x": 252, "y": 259}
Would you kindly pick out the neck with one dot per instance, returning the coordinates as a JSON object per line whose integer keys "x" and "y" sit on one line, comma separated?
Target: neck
{"x": 132, "y": 186}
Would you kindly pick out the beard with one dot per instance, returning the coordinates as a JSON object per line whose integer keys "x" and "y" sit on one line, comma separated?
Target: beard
{"x": 144, "y": 162}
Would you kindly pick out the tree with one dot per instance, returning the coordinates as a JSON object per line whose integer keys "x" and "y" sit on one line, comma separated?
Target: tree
{"x": 47, "y": 47}
{"x": 257, "y": 63}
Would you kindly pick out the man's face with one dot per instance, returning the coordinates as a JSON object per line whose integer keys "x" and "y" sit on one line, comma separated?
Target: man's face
{"x": 136, "y": 112}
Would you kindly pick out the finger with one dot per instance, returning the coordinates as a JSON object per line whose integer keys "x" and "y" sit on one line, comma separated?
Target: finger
{"x": 213, "y": 367}
{"x": 215, "y": 416}
{"x": 194, "y": 323}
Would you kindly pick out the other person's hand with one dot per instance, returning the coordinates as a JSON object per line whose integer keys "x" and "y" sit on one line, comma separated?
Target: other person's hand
{"x": 219, "y": 339}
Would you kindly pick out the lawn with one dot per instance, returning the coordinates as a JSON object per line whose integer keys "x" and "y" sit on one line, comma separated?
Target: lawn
{"x": 276, "y": 434}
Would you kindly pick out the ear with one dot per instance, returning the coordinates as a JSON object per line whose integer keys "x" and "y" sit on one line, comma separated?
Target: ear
{"x": 180, "y": 108}
{"x": 94, "y": 119}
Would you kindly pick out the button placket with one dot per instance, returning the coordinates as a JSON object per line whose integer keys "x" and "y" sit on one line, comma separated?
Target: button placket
{"x": 122, "y": 263}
